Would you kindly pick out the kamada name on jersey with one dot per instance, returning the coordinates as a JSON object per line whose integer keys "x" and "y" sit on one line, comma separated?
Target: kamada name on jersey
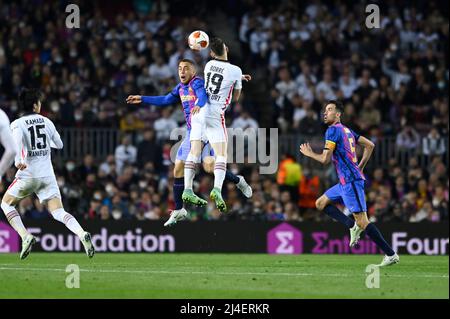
{"x": 38, "y": 153}
{"x": 38, "y": 120}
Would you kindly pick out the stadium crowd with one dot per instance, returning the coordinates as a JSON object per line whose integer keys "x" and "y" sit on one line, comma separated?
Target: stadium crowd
{"x": 393, "y": 81}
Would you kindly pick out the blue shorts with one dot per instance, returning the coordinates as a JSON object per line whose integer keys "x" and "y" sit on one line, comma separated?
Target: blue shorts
{"x": 350, "y": 194}
{"x": 185, "y": 148}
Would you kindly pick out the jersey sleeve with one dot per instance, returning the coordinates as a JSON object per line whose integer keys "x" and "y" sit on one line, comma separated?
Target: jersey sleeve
{"x": 18, "y": 140}
{"x": 7, "y": 141}
{"x": 55, "y": 139}
{"x": 331, "y": 138}
{"x": 356, "y": 135}
{"x": 200, "y": 92}
{"x": 238, "y": 79}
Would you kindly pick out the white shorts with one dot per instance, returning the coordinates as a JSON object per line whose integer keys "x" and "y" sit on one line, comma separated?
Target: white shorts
{"x": 197, "y": 131}
{"x": 215, "y": 130}
{"x": 45, "y": 188}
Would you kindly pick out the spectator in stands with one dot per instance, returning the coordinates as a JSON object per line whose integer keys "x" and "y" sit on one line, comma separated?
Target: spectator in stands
{"x": 164, "y": 125}
{"x": 408, "y": 139}
{"x": 433, "y": 143}
{"x": 125, "y": 154}
{"x": 244, "y": 121}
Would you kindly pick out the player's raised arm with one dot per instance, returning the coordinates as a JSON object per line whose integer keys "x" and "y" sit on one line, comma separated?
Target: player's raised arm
{"x": 324, "y": 157}
{"x": 368, "y": 146}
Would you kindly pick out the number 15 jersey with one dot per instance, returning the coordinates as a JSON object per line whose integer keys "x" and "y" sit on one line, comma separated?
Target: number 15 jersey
{"x": 35, "y": 135}
{"x": 221, "y": 78}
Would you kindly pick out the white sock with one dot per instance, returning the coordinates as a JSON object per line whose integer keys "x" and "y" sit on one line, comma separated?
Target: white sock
{"x": 67, "y": 219}
{"x": 189, "y": 170}
{"x": 219, "y": 171}
{"x": 14, "y": 219}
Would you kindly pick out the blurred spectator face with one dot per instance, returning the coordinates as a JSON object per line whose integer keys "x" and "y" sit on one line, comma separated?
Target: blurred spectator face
{"x": 399, "y": 182}
{"x": 284, "y": 75}
{"x": 285, "y": 197}
{"x": 378, "y": 174}
{"x": 90, "y": 180}
{"x": 148, "y": 135}
{"x": 186, "y": 71}
{"x": 88, "y": 160}
{"x": 413, "y": 162}
{"x": 98, "y": 195}
{"x": 422, "y": 186}
{"x": 104, "y": 212}
{"x": 126, "y": 140}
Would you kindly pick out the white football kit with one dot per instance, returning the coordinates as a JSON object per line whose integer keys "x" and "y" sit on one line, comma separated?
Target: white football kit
{"x": 221, "y": 78}
{"x": 35, "y": 135}
{"x": 8, "y": 144}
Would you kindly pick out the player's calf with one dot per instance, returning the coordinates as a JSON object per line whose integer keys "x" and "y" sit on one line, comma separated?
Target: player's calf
{"x": 13, "y": 217}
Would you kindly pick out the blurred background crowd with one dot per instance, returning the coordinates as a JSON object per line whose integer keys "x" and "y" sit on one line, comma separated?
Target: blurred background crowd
{"x": 393, "y": 82}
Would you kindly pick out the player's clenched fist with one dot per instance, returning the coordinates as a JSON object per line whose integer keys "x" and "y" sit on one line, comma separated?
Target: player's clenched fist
{"x": 134, "y": 99}
{"x": 246, "y": 77}
{"x": 21, "y": 166}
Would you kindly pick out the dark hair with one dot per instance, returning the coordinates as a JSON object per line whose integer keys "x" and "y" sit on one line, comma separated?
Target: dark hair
{"x": 217, "y": 47}
{"x": 187, "y": 61}
{"x": 337, "y": 104}
{"x": 27, "y": 99}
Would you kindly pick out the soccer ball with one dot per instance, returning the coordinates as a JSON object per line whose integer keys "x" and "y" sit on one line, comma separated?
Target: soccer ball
{"x": 198, "y": 40}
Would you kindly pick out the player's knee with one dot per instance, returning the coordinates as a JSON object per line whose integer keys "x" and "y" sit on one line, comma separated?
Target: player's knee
{"x": 7, "y": 207}
{"x": 178, "y": 170}
{"x": 320, "y": 203}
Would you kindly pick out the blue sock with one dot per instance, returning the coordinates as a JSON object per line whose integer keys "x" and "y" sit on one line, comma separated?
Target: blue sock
{"x": 178, "y": 188}
{"x": 231, "y": 177}
{"x": 374, "y": 234}
{"x": 336, "y": 214}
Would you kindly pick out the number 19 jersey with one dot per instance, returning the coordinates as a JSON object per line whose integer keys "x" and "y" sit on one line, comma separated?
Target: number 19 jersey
{"x": 221, "y": 78}
{"x": 35, "y": 135}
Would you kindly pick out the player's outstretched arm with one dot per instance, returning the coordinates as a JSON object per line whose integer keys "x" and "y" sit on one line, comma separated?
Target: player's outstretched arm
{"x": 160, "y": 100}
{"x": 368, "y": 146}
{"x": 324, "y": 157}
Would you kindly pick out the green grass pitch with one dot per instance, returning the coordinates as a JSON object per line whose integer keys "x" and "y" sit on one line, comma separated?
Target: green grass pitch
{"x": 223, "y": 276}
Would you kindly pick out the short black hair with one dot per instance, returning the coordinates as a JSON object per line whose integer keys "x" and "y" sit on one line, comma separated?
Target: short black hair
{"x": 28, "y": 98}
{"x": 217, "y": 46}
{"x": 337, "y": 104}
{"x": 187, "y": 61}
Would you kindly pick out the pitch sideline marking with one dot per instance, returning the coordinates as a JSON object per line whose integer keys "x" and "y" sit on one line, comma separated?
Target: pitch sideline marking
{"x": 135, "y": 271}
